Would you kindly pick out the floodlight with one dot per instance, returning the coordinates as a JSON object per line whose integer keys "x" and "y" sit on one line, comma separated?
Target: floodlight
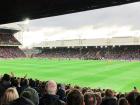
{"x": 26, "y": 21}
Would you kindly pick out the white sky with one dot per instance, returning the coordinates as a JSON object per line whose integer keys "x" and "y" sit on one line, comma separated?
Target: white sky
{"x": 101, "y": 23}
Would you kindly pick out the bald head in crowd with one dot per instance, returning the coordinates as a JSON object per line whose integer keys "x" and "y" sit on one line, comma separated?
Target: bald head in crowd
{"x": 51, "y": 87}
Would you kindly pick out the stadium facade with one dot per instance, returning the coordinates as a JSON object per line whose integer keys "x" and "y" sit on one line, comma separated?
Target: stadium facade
{"x": 114, "y": 41}
{"x": 121, "y": 48}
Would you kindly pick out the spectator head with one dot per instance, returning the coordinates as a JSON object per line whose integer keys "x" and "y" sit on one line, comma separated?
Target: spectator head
{"x": 121, "y": 95}
{"x": 108, "y": 93}
{"x": 51, "y": 87}
{"x": 60, "y": 86}
{"x": 14, "y": 83}
{"x": 77, "y": 87}
{"x": 6, "y": 77}
{"x": 68, "y": 86}
{"x": 31, "y": 94}
{"x": 89, "y": 98}
{"x": 84, "y": 90}
{"x": 10, "y": 95}
{"x": 75, "y": 98}
{"x": 24, "y": 82}
{"x": 32, "y": 83}
{"x": 123, "y": 101}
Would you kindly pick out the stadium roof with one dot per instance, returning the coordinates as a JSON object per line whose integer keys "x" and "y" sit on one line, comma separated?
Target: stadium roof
{"x": 18, "y": 10}
{"x": 8, "y": 31}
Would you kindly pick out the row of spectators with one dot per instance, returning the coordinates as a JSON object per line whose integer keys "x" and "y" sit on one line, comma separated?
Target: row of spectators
{"x": 8, "y": 39}
{"x": 59, "y": 53}
{"x": 121, "y": 53}
{"x": 110, "y": 52}
{"x": 11, "y": 52}
{"x": 22, "y": 91}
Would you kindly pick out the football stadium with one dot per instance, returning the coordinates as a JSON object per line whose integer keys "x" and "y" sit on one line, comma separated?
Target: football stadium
{"x": 80, "y": 69}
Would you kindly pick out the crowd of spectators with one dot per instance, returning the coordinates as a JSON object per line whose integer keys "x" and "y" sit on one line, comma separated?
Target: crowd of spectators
{"x": 110, "y": 52}
{"x": 23, "y": 91}
{"x": 11, "y": 52}
{"x": 59, "y": 53}
{"x": 9, "y": 47}
{"x": 8, "y": 39}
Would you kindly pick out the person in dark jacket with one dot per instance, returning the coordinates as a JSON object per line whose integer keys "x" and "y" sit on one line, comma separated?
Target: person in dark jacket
{"x": 50, "y": 98}
{"x": 109, "y": 98}
{"x": 138, "y": 100}
{"x": 22, "y": 101}
{"x": 24, "y": 83}
{"x": 61, "y": 92}
{"x": 4, "y": 84}
{"x": 131, "y": 97}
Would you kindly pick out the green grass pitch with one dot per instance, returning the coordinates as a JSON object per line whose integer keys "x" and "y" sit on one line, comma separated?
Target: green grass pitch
{"x": 118, "y": 75}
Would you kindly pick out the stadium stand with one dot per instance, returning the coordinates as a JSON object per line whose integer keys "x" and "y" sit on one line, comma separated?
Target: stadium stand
{"x": 36, "y": 92}
{"x": 8, "y": 39}
{"x": 110, "y": 52}
{"x": 9, "y": 45}
{"x": 11, "y": 52}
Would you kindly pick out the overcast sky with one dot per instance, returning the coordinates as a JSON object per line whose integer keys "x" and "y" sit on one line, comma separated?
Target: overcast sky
{"x": 123, "y": 15}
{"x": 115, "y": 21}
